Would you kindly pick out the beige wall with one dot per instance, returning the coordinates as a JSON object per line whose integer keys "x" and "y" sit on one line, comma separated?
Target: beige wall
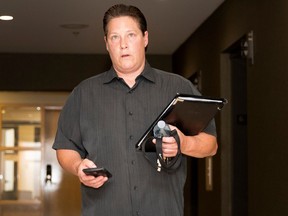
{"x": 267, "y": 92}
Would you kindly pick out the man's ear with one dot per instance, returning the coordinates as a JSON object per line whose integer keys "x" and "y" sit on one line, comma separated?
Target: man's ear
{"x": 146, "y": 38}
{"x": 106, "y": 44}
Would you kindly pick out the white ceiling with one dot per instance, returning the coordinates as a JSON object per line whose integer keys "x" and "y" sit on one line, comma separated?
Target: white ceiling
{"x": 36, "y": 24}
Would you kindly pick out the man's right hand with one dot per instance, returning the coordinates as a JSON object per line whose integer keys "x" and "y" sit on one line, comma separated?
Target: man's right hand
{"x": 71, "y": 161}
{"x": 89, "y": 180}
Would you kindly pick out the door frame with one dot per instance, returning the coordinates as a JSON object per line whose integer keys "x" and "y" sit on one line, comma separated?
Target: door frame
{"x": 226, "y": 136}
{"x": 226, "y": 118}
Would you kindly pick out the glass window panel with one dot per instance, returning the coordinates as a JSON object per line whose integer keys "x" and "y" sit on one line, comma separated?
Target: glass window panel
{"x": 8, "y": 137}
{"x": 9, "y": 175}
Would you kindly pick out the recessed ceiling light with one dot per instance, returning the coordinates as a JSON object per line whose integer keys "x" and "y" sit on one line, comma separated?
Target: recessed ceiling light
{"x": 6, "y": 17}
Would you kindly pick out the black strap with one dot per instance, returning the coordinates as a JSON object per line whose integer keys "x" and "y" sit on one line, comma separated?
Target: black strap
{"x": 156, "y": 159}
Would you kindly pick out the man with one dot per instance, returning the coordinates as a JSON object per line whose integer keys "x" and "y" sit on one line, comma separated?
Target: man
{"x": 107, "y": 114}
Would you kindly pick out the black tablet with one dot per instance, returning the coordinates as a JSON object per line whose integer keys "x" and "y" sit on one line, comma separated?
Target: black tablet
{"x": 189, "y": 113}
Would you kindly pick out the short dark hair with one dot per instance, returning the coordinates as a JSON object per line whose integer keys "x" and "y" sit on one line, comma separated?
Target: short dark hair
{"x": 120, "y": 10}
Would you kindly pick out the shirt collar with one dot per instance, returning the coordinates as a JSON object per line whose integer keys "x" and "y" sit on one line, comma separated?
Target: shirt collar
{"x": 147, "y": 73}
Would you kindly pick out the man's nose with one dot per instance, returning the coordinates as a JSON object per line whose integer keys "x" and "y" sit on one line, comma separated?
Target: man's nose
{"x": 123, "y": 43}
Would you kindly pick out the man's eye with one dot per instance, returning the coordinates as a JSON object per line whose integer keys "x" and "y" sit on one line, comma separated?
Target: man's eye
{"x": 131, "y": 34}
{"x": 114, "y": 37}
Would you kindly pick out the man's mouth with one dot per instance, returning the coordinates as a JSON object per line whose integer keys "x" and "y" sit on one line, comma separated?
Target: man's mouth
{"x": 125, "y": 55}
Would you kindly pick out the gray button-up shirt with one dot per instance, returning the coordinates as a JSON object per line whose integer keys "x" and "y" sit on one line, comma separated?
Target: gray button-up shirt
{"x": 102, "y": 120}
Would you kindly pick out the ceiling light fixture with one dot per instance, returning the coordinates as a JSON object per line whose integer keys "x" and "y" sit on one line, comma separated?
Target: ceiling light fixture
{"x": 6, "y": 17}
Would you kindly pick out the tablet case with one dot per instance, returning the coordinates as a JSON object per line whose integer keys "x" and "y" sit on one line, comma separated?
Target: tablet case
{"x": 189, "y": 113}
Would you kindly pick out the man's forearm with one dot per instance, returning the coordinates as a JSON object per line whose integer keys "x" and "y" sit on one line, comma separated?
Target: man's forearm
{"x": 201, "y": 145}
{"x": 69, "y": 160}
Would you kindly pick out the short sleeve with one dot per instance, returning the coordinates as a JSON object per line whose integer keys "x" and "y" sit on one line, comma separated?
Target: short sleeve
{"x": 68, "y": 134}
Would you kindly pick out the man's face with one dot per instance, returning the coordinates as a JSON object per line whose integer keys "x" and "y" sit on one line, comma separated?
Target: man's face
{"x": 126, "y": 44}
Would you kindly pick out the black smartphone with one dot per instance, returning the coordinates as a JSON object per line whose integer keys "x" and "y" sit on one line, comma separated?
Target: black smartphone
{"x": 97, "y": 171}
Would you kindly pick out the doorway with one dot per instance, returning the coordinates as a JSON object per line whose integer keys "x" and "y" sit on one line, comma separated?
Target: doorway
{"x": 31, "y": 181}
{"x": 234, "y": 125}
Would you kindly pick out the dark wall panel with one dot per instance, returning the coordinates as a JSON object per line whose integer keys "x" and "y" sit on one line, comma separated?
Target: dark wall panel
{"x": 57, "y": 72}
{"x": 267, "y": 87}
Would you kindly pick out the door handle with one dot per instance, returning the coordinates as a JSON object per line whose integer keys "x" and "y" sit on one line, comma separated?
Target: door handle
{"x": 48, "y": 177}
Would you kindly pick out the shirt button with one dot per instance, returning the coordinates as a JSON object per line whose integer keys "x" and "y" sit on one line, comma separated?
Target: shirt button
{"x": 135, "y": 188}
{"x": 131, "y": 137}
{"x": 133, "y": 162}
{"x": 130, "y": 113}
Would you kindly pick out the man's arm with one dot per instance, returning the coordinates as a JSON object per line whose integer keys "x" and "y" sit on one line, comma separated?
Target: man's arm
{"x": 201, "y": 145}
{"x": 71, "y": 161}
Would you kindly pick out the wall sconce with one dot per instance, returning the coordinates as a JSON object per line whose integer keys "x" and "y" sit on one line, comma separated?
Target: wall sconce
{"x": 247, "y": 47}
